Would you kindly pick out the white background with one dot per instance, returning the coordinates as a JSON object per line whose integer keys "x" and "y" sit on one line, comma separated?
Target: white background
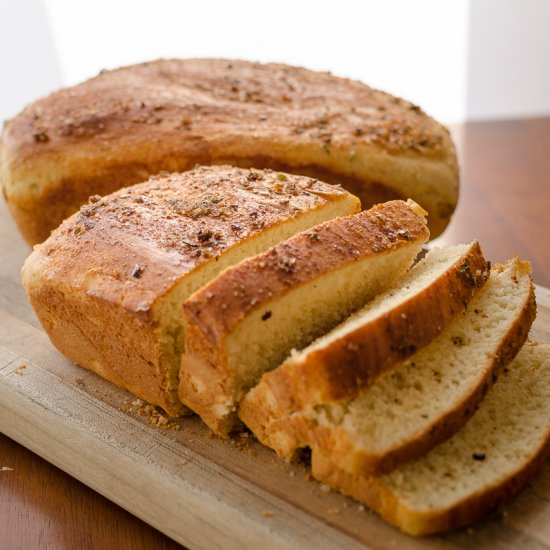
{"x": 458, "y": 59}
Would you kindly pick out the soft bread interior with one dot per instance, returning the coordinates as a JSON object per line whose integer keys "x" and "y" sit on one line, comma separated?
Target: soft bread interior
{"x": 168, "y": 311}
{"x": 264, "y": 339}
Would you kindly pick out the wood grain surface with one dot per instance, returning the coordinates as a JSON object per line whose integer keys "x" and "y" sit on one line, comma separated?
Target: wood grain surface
{"x": 199, "y": 489}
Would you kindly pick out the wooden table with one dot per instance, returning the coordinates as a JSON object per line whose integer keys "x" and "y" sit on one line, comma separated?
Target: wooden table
{"x": 505, "y": 203}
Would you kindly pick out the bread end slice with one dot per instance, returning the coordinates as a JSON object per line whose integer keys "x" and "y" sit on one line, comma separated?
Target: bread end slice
{"x": 480, "y": 468}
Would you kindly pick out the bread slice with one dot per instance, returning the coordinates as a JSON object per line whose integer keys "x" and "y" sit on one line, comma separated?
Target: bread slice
{"x": 485, "y": 464}
{"x": 427, "y": 398}
{"x": 108, "y": 285}
{"x": 118, "y": 128}
{"x": 388, "y": 329}
{"x": 247, "y": 320}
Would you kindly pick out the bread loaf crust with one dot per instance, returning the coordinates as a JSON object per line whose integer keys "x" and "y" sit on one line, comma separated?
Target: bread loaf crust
{"x": 96, "y": 284}
{"x": 120, "y": 127}
{"x": 215, "y": 310}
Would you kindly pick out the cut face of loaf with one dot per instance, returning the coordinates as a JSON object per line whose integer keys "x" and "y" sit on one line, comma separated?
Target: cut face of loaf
{"x": 245, "y": 322}
{"x": 427, "y": 398}
{"x": 469, "y": 476}
{"x": 170, "y": 115}
{"x": 388, "y": 329}
{"x": 108, "y": 285}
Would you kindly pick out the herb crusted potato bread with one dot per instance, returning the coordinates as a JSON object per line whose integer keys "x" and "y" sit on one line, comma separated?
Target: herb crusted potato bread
{"x": 124, "y": 125}
{"x": 109, "y": 283}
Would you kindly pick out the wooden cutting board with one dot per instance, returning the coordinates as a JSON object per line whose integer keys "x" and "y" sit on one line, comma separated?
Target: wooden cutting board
{"x": 196, "y": 488}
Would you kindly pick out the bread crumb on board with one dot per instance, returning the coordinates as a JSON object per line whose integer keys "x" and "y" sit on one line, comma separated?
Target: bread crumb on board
{"x": 267, "y": 514}
{"x": 6, "y": 469}
{"x": 242, "y": 442}
{"x": 20, "y": 370}
{"x": 154, "y": 415}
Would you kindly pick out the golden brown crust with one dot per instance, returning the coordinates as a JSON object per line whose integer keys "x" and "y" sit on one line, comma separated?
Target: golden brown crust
{"x": 121, "y": 126}
{"x": 217, "y": 308}
{"x": 356, "y": 359}
{"x": 95, "y": 283}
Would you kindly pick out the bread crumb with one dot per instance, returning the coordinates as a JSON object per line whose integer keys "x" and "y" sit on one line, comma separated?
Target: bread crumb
{"x": 267, "y": 514}
{"x": 6, "y": 469}
{"x": 19, "y": 370}
{"x": 242, "y": 442}
{"x": 361, "y": 507}
{"x": 154, "y": 415}
{"x": 324, "y": 488}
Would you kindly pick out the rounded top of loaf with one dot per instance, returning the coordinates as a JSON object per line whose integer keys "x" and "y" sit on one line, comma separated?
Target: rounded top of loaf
{"x": 132, "y": 246}
{"x": 124, "y": 125}
{"x": 217, "y": 94}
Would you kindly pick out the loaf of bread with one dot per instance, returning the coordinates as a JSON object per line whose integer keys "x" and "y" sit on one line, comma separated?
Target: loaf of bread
{"x": 109, "y": 284}
{"x": 168, "y": 115}
{"x": 429, "y": 397}
{"x": 485, "y": 464}
{"x": 246, "y": 321}
{"x": 390, "y": 328}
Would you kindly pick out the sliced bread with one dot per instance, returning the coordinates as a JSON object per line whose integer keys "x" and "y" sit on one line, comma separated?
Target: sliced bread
{"x": 246, "y": 321}
{"x": 388, "y": 329}
{"x": 485, "y": 464}
{"x": 427, "y": 398}
{"x": 108, "y": 284}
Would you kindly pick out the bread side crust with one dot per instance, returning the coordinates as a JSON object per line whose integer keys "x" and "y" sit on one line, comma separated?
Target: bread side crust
{"x": 98, "y": 282}
{"x": 355, "y": 360}
{"x": 374, "y": 493}
{"x": 213, "y": 312}
{"x": 120, "y": 127}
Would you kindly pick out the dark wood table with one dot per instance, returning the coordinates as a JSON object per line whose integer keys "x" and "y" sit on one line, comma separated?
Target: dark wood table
{"x": 505, "y": 204}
